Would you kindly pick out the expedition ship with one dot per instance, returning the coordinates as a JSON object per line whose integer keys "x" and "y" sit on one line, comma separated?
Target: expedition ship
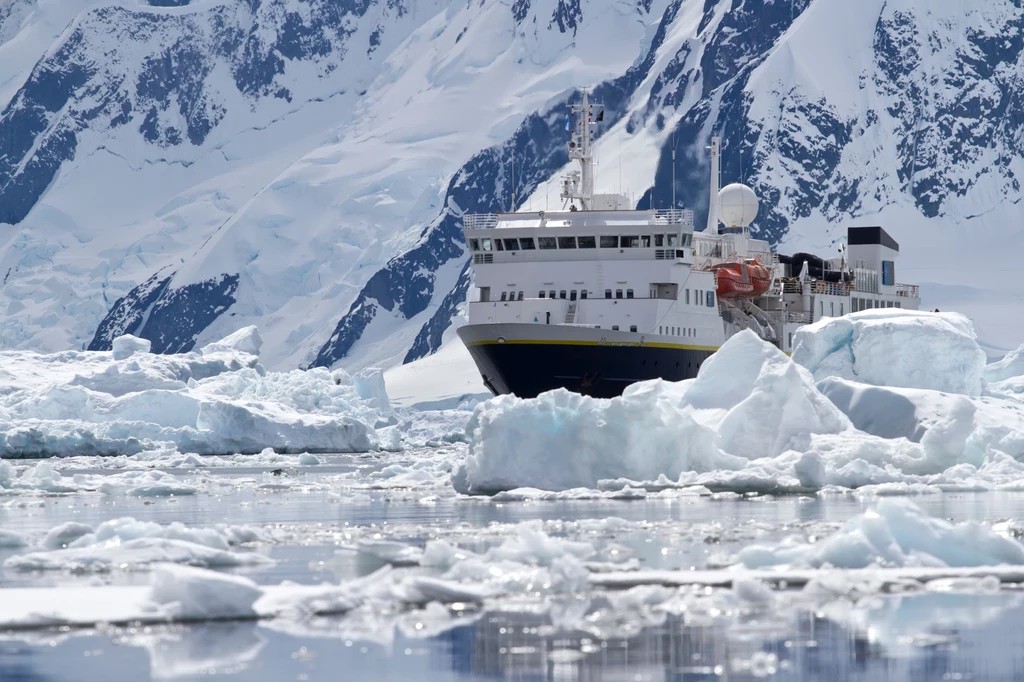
{"x": 600, "y": 296}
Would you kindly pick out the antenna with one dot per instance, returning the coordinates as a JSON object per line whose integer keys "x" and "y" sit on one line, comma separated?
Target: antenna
{"x": 513, "y": 173}
{"x": 673, "y": 170}
{"x": 712, "y": 228}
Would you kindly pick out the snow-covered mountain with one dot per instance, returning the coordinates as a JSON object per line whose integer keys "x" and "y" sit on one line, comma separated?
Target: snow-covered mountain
{"x": 181, "y": 169}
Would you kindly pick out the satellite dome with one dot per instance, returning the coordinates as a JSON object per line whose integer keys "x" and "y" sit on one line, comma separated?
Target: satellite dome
{"x": 737, "y": 205}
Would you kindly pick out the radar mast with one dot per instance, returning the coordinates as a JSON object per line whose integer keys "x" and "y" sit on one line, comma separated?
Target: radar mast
{"x": 579, "y": 185}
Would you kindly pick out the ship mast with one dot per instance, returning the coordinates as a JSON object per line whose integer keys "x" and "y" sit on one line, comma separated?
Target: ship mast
{"x": 579, "y": 185}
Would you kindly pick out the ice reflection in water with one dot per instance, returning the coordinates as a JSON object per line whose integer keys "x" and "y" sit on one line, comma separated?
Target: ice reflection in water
{"x": 910, "y": 637}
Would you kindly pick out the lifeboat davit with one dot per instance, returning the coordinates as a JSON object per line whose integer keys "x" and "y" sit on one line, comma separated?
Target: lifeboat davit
{"x": 742, "y": 279}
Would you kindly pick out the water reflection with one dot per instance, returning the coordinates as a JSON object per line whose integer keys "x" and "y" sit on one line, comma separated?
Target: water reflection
{"x": 916, "y": 637}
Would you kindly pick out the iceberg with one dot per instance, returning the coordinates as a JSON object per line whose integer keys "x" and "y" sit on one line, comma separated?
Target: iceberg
{"x": 216, "y": 400}
{"x": 895, "y": 347}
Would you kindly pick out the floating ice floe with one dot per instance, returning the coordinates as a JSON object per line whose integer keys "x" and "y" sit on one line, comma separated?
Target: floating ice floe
{"x": 756, "y": 420}
{"x": 128, "y": 544}
{"x": 215, "y": 400}
{"x": 895, "y": 533}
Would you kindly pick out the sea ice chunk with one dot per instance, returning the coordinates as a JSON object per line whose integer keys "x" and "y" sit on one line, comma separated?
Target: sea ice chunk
{"x": 895, "y": 533}
{"x": 895, "y": 347}
{"x": 127, "y": 345}
{"x": 185, "y": 593}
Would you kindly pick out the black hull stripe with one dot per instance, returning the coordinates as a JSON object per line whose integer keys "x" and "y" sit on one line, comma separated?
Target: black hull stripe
{"x": 527, "y": 369}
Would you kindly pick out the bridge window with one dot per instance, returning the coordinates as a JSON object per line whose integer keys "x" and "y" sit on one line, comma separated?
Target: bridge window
{"x": 474, "y": 244}
{"x": 503, "y": 296}
{"x": 659, "y": 240}
{"x": 572, "y": 295}
{"x": 618, "y": 293}
{"x": 487, "y": 244}
{"x": 671, "y": 239}
{"x": 526, "y": 243}
{"x": 551, "y": 294}
{"x": 645, "y": 241}
{"x": 561, "y": 294}
{"x": 632, "y": 327}
{"x": 498, "y": 245}
{"x": 607, "y": 293}
{"x": 587, "y": 242}
{"x": 615, "y": 327}
{"x": 711, "y": 299}
{"x": 567, "y": 242}
{"x": 609, "y": 242}
{"x": 583, "y": 294}
{"x": 629, "y": 293}
{"x": 511, "y": 244}
{"x": 541, "y": 294}
{"x": 629, "y": 241}
{"x": 520, "y": 295}
{"x": 546, "y": 242}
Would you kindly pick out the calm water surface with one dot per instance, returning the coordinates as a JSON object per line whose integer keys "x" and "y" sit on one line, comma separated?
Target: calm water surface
{"x": 921, "y": 636}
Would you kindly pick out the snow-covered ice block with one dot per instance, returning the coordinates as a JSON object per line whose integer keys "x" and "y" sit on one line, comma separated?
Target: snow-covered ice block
{"x": 895, "y": 533}
{"x": 127, "y": 345}
{"x": 184, "y": 593}
{"x": 895, "y": 347}
{"x": 216, "y": 401}
{"x": 245, "y": 340}
{"x": 133, "y": 554}
{"x": 1009, "y": 366}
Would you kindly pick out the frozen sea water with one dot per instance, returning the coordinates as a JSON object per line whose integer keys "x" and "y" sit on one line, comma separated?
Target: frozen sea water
{"x": 313, "y": 535}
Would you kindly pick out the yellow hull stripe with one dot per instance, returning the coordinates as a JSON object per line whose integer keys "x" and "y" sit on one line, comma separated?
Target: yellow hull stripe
{"x": 607, "y": 344}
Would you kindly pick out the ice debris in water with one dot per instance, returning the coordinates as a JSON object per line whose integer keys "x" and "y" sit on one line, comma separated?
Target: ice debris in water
{"x": 128, "y": 543}
{"x": 894, "y": 533}
{"x": 215, "y": 400}
{"x": 754, "y": 419}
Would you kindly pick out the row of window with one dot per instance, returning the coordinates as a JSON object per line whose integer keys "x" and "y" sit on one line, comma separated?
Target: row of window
{"x": 605, "y": 242}
{"x": 678, "y": 331}
{"x": 868, "y": 303}
{"x": 698, "y": 295}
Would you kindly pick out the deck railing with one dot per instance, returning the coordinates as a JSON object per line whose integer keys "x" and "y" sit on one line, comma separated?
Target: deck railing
{"x": 908, "y": 290}
{"x": 479, "y": 221}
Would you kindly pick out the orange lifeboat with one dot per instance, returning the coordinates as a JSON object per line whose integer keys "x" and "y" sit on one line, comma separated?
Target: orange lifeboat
{"x": 742, "y": 279}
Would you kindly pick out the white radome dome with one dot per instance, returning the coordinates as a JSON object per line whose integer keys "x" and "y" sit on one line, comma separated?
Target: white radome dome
{"x": 737, "y": 205}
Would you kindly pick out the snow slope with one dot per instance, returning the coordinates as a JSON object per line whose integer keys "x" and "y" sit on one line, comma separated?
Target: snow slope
{"x": 180, "y": 172}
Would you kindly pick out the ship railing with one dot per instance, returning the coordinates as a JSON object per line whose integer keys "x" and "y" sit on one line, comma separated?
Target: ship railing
{"x": 799, "y": 318}
{"x": 792, "y": 288}
{"x": 908, "y": 290}
{"x": 479, "y": 221}
{"x": 671, "y": 216}
{"x": 785, "y": 316}
{"x": 831, "y": 288}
